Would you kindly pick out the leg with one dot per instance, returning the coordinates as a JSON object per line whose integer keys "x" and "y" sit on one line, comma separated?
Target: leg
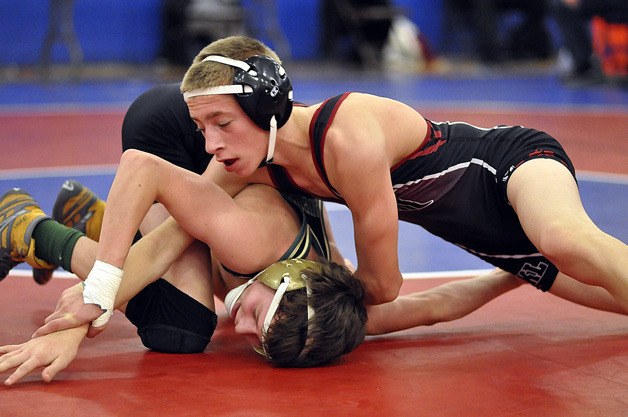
{"x": 174, "y": 314}
{"x": 554, "y": 219}
{"x": 189, "y": 272}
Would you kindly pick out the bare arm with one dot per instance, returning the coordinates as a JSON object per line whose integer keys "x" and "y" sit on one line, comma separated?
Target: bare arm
{"x": 148, "y": 259}
{"x": 151, "y": 257}
{"x": 53, "y": 351}
{"x": 375, "y": 226}
{"x": 143, "y": 178}
{"x": 370, "y": 198}
{"x": 446, "y": 302}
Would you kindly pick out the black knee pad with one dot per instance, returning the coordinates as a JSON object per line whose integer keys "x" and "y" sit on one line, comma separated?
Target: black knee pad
{"x": 169, "y": 339}
{"x": 169, "y": 320}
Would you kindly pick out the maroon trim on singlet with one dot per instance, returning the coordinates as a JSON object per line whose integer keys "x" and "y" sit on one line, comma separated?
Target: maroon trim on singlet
{"x": 283, "y": 181}
{"x": 319, "y": 125}
{"x": 317, "y": 138}
{"x": 419, "y": 151}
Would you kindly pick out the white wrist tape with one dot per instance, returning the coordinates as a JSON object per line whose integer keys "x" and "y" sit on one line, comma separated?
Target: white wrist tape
{"x": 101, "y": 287}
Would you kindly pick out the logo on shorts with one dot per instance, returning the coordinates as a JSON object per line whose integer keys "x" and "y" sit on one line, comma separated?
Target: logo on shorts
{"x": 508, "y": 173}
{"x": 533, "y": 274}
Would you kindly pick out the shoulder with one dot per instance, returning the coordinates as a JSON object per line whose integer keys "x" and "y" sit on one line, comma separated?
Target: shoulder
{"x": 161, "y": 93}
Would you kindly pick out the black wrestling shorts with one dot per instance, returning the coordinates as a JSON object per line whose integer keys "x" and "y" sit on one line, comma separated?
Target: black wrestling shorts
{"x": 168, "y": 320}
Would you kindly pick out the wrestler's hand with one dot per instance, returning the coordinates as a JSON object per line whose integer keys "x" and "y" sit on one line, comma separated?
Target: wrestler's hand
{"x": 71, "y": 312}
{"x": 54, "y": 351}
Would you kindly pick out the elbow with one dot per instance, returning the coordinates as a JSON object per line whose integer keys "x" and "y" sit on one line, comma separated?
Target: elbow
{"x": 387, "y": 297}
{"x": 384, "y": 293}
{"x": 374, "y": 329}
{"x": 135, "y": 160}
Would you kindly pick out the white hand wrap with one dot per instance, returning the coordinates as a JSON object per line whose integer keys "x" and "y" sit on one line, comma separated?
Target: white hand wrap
{"x": 101, "y": 287}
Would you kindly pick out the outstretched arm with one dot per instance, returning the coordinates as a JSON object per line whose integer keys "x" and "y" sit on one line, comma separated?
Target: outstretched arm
{"x": 55, "y": 345}
{"x": 446, "y": 302}
{"x": 148, "y": 259}
{"x": 54, "y": 351}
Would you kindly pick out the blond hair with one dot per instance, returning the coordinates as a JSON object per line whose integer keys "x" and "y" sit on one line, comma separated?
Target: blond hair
{"x": 211, "y": 74}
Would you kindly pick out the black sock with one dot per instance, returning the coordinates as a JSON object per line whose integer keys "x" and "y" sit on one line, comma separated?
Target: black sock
{"x": 54, "y": 243}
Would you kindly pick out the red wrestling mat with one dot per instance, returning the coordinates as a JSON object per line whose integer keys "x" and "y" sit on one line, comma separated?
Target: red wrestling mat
{"x": 524, "y": 354}
{"x": 595, "y": 141}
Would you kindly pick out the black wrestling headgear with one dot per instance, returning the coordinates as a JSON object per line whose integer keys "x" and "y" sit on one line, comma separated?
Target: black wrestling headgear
{"x": 272, "y": 91}
{"x": 261, "y": 88}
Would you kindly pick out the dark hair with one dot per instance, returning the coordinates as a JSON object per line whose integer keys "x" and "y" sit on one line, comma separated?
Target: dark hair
{"x": 338, "y": 325}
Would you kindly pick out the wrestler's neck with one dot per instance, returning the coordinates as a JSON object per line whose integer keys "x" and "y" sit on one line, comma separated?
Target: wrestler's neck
{"x": 293, "y": 141}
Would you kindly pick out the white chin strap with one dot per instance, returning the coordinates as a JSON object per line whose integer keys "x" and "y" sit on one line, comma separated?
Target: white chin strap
{"x": 234, "y": 295}
{"x": 236, "y": 89}
{"x": 274, "y": 304}
{"x": 272, "y": 140}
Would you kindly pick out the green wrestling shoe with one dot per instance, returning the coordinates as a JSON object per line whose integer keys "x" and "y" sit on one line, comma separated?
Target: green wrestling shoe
{"x": 19, "y": 214}
{"x": 78, "y": 207}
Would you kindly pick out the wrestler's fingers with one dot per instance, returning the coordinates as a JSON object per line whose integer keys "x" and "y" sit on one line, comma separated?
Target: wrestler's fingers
{"x": 57, "y": 365}
{"x": 86, "y": 314}
{"x": 8, "y": 349}
{"x": 55, "y": 315}
{"x": 12, "y": 359}
{"x": 60, "y": 323}
{"x": 7, "y": 361}
{"x": 24, "y": 369}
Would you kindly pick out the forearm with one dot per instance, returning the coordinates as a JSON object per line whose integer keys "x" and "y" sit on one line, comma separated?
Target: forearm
{"x": 130, "y": 197}
{"x": 376, "y": 240}
{"x": 151, "y": 257}
{"x": 378, "y": 268}
{"x": 446, "y": 302}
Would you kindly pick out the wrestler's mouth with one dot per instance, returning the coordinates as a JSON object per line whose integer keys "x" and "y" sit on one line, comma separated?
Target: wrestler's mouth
{"x": 228, "y": 162}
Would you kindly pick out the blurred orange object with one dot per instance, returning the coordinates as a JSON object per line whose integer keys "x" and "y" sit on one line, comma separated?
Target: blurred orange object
{"x": 610, "y": 43}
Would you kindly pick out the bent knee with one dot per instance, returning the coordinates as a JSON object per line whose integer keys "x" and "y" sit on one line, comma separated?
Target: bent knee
{"x": 168, "y": 339}
{"x": 171, "y": 339}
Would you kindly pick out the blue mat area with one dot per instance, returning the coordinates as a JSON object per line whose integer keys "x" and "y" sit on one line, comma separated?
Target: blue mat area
{"x": 460, "y": 91}
{"x": 418, "y": 250}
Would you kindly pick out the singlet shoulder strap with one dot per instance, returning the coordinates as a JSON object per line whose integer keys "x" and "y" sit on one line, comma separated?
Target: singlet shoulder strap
{"x": 279, "y": 177}
{"x": 321, "y": 121}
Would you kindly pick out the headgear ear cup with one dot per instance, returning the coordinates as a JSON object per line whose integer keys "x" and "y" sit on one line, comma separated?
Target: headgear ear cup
{"x": 272, "y": 91}
{"x": 261, "y": 88}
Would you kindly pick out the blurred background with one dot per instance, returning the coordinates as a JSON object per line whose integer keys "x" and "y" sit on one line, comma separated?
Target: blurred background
{"x": 579, "y": 41}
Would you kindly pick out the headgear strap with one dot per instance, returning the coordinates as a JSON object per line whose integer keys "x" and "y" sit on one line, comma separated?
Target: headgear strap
{"x": 263, "y": 90}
